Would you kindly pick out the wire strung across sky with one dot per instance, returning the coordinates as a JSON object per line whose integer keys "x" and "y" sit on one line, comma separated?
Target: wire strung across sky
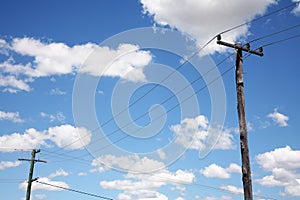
{"x": 274, "y": 33}
{"x": 72, "y": 190}
{"x": 79, "y": 158}
{"x": 157, "y": 118}
{"x": 174, "y": 95}
{"x": 185, "y": 62}
{"x": 194, "y": 81}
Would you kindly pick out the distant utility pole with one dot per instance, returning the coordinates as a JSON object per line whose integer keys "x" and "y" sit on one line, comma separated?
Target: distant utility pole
{"x": 247, "y": 183}
{"x": 32, "y": 162}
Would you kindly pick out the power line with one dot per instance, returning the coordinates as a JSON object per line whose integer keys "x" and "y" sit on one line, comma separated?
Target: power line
{"x": 274, "y": 33}
{"x": 261, "y": 17}
{"x": 14, "y": 149}
{"x": 175, "y": 106}
{"x": 11, "y": 180}
{"x": 187, "y": 60}
{"x": 73, "y": 190}
{"x": 157, "y": 118}
{"x": 79, "y": 158}
{"x": 282, "y": 40}
{"x": 126, "y": 136}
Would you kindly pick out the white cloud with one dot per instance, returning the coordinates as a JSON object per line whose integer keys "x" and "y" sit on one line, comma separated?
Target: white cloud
{"x": 133, "y": 163}
{"x": 162, "y": 155}
{"x": 126, "y": 62}
{"x": 8, "y": 164}
{"x": 31, "y": 138}
{"x": 4, "y": 47}
{"x": 59, "y": 172}
{"x": 296, "y": 10}
{"x": 144, "y": 185}
{"x": 40, "y": 196}
{"x": 12, "y": 85}
{"x": 279, "y": 118}
{"x": 217, "y": 198}
{"x": 233, "y": 189}
{"x": 234, "y": 168}
{"x": 100, "y": 166}
{"x": 52, "y": 58}
{"x": 190, "y": 17}
{"x": 57, "y": 91}
{"x": 65, "y": 136}
{"x": 59, "y": 116}
{"x": 12, "y": 116}
{"x": 82, "y": 174}
{"x": 216, "y": 171}
{"x": 39, "y": 186}
{"x": 225, "y": 140}
{"x": 283, "y": 163}
{"x": 69, "y": 136}
{"x": 280, "y": 158}
{"x": 193, "y": 132}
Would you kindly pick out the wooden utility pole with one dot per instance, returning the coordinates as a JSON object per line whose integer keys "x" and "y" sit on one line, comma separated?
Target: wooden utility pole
{"x": 246, "y": 170}
{"x": 32, "y": 162}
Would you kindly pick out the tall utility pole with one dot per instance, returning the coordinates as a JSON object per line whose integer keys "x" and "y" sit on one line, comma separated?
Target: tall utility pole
{"x": 32, "y": 162}
{"x": 246, "y": 170}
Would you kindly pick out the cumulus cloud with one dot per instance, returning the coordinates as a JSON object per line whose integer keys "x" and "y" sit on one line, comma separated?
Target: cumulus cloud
{"x": 133, "y": 163}
{"x": 233, "y": 189}
{"x": 11, "y": 116}
{"x": 139, "y": 185}
{"x": 216, "y": 171}
{"x": 145, "y": 186}
{"x": 12, "y": 84}
{"x": 69, "y": 136}
{"x": 217, "y": 198}
{"x": 59, "y": 116}
{"x": 8, "y": 164}
{"x": 193, "y": 132}
{"x": 126, "y": 62}
{"x": 280, "y": 158}
{"x": 55, "y": 58}
{"x": 283, "y": 163}
{"x": 65, "y": 136}
{"x": 190, "y": 17}
{"x": 279, "y": 118}
{"x": 59, "y": 172}
{"x": 296, "y": 10}
{"x": 40, "y": 196}
{"x": 82, "y": 174}
{"x": 57, "y": 91}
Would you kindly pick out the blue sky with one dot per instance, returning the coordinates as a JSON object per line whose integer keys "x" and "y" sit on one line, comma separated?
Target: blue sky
{"x": 104, "y": 90}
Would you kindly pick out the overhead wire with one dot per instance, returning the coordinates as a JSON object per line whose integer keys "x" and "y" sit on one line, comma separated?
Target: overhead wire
{"x": 275, "y": 33}
{"x": 157, "y": 118}
{"x": 206, "y": 186}
{"x": 170, "y": 97}
{"x": 265, "y": 45}
{"x": 197, "y": 184}
{"x": 186, "y": 61}
{"x": 15, "y": 149}
{"x": 126, "y": 136}
{"x": 73, "y": 190}
{"x": 281, "y": 40}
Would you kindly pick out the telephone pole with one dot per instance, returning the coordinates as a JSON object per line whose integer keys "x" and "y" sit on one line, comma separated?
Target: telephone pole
{"x": 246, "y": 170}
{"x": 32, "y": 162}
